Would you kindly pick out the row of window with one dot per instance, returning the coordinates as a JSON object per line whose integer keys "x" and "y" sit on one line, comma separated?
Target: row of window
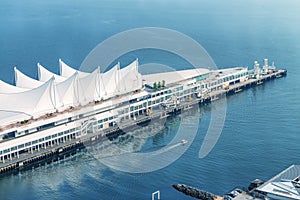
{"x": 107, "y": 119}
{"x": 202, "y": 77}
{"x": 228, "y": 78}
{"x": 234, "y": 76}
{"x": 28, "y": 144}
{"x": 158, "y": 100}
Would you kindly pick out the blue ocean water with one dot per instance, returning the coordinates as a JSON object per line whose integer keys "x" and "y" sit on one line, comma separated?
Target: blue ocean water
{"x": 261, "y": 132}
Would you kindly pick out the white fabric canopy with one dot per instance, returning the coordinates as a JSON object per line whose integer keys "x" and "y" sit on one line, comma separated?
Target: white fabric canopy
{"x": 32, "y": 102}
{"x": 32, "y": 97}
{"x": 7, "y": 88}
{"x": 45, "y": 75}
{"x": 67, "y": 71}
{"x": 24, "y": 81}
{"x": 89, "y": 87}
{"x": 110, "y": 80}
{"x": 129, "y": 78}
{"x": 66, "y": 92}
{"x": 11, "y": 117}
{"x": 101, "y": 86}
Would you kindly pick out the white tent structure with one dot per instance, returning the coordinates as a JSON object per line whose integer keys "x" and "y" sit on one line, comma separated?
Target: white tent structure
{"x": 7, "y": 88}
{"x": 67, "y": 71}
{"x": 7, "y": 117}
{"x": 111, "y": 82}
{"x": 31, "y": 97}
{"x": 129, "y": 78}
{"x": 24, "y": 81}
{"x": 90, "y": 86}
{"x": 45, "y": 75}
{"x": 62, "y": 94}
{"x": 32, "y": 102}
{"x": 66, "y": 93}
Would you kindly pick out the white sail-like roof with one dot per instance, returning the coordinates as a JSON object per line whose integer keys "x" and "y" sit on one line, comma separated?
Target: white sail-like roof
{"x": 111, "y": 82}
{"x": 101, "y": 87}
{"x": 32, "y": 102}
{"x": 24, "y": 81}
{"x": 11, "y": 117}
{"x": 129, "y": 78}
{"x": 45, "y": 75}
{"x": 66, "y": 93}
{"x": 89, "y": 87}
{"x": 7, "y": 88}
{"x": 67, "y": 71}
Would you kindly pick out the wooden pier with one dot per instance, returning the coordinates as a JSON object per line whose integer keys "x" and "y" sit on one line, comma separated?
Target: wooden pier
{"x": 67, "y": 148}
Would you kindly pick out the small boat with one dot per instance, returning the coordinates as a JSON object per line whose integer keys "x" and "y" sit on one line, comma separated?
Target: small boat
{"x": 184, "y": 141}
{"x": 237, "y": 90}
{"x": 259, "y": 82}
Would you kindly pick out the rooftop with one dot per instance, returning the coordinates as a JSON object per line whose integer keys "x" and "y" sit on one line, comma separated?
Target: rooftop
{"x": 285, "y": 184}
{"x": 174, "y": 76}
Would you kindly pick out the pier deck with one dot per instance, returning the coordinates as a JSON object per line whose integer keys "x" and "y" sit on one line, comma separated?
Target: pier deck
{"x": 244, "y": 196}
{"x": 57, "y": 151}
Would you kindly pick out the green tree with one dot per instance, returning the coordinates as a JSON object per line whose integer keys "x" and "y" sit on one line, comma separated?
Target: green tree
{"x": 158, "y": 85}
{"x": 155, "y": 85}
{"x": 163, "y": 83}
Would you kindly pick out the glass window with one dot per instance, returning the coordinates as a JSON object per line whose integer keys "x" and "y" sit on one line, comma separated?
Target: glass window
{"x": 6, "y": 151}
{"x": 13, "y": 148}
{"x": 48, "y": 138}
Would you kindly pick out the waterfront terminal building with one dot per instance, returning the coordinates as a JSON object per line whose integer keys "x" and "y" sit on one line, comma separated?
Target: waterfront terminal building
{"x": 37, "y": 114}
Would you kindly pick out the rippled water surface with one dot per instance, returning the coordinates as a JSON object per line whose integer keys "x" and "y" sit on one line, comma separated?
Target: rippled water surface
{"x": 261, "y": 132}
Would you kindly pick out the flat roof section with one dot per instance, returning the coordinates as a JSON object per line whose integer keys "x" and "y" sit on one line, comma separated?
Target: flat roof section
{"x": 285, "y": 184}
{"x": 174, "y": 76}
